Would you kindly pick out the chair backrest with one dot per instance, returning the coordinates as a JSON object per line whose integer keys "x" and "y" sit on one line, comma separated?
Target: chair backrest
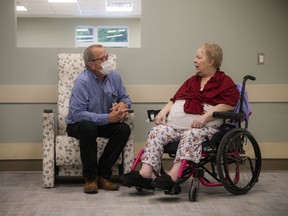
{"x": 69, "y": 66}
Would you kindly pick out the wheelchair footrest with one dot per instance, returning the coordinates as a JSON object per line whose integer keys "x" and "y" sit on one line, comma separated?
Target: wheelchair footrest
{"x": 198, "y": 173}
{"x": 176, "y": 189}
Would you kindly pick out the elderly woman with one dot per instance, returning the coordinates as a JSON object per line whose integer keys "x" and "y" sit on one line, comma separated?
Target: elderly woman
{"x": 187, "y": 117}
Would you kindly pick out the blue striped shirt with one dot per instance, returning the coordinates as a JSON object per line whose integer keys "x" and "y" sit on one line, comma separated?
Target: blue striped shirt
{"x": 91, "y": 99}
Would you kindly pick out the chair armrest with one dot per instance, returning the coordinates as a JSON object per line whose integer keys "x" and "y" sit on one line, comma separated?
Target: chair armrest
{"x": 48, "y": 148}
{"x": 130, "y": 120}
{"x": 49, "y": 126}
{"x": 128, "y": 153}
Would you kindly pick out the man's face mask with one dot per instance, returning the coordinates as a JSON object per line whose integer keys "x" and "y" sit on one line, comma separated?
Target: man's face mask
{"x": 108, "y": 66}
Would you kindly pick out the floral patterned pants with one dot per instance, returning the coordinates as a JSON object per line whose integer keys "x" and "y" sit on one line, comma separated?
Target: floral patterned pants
{"x": 189, "y": 147}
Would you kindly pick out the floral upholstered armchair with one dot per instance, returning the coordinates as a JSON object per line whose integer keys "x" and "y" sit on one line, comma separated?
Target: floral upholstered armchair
{"x": 61, "y": 153}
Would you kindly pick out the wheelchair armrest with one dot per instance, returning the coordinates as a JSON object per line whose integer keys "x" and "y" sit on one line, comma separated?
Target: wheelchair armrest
{"x": 228, "y": 115}
{"x": 152, "y": 114}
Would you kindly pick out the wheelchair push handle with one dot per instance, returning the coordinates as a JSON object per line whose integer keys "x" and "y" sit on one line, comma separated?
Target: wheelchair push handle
{"x": 249, "y": 77}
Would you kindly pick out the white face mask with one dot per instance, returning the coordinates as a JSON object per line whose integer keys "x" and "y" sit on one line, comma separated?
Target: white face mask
{"x": 108, "y": 66}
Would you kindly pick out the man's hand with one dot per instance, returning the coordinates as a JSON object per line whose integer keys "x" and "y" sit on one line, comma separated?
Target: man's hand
{"x": 118, "y": 113}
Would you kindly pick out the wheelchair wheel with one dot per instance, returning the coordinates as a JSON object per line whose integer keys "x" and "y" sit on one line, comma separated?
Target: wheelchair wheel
{"x": 193, "y": 193}
{"x": 238, "y": 161}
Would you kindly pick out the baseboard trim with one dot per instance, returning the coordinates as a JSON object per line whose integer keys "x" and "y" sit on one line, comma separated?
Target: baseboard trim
{"x": 36, "y": 165}
{"x": 21, "y": 165}
{"x": 34, "y": 151}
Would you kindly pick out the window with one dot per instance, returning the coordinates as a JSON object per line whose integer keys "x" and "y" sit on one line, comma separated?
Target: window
{"x": 84, "y": 36}
{"x": 108, "y": 36}
{"x": 113, "y": 36}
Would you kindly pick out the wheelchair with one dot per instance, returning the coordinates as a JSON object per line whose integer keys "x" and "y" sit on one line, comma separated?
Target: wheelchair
{"x": 232, "y": 157}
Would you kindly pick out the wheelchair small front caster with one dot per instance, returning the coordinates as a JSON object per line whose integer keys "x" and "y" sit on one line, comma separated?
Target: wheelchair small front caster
{"x": 193, "y": 193}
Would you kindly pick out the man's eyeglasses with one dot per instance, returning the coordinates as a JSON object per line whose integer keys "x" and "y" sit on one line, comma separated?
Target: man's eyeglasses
{"x": 102, "y": 59}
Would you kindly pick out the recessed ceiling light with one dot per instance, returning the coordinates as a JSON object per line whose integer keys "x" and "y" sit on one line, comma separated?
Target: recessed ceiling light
{"x": 119, "y": 6}
{"x": 62, "y": 1}
{"x": 21, "y": 8}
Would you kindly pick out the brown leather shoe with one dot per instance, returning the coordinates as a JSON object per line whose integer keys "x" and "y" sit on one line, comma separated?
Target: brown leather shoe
{"x": 90, "y": 187}
{"x": 105, "y": 184}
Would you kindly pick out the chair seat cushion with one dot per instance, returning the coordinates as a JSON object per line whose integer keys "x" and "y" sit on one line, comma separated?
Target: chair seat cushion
{"x": 68, "y": 151}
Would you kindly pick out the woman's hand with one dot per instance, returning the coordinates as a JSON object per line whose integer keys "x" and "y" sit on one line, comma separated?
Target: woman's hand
{"x": 160, "y": 118}
{"x": 199, "y": 122}
{"x": 208, "y": 116}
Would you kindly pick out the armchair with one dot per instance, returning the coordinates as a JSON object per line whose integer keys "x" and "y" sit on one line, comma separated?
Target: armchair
{"x": 61, "y": 153}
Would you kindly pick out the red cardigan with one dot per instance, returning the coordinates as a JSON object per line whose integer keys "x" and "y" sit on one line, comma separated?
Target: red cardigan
{"x": 220, "y": 89}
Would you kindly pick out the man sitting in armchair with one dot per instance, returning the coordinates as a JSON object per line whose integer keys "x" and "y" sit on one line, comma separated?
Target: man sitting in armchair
{"x": 98, "y": 107}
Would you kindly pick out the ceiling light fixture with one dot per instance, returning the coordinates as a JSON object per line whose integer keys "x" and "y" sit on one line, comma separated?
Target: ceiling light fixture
{"x": 119, "y": 6}
{"x": 21, "y": 8}
{"x": 62, "y": 1}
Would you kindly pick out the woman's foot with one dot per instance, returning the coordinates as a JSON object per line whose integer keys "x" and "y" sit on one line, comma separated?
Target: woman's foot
{"x": 163, "y": 182}
{"x": 135, "y": 179}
